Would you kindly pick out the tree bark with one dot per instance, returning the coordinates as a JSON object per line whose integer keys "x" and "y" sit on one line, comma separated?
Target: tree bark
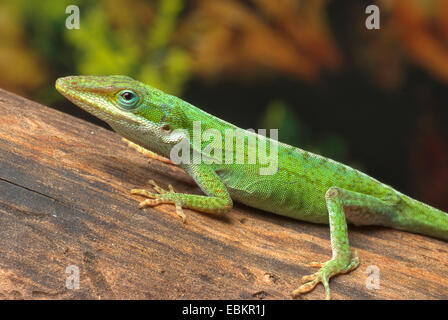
{"x": 65, "y": 206}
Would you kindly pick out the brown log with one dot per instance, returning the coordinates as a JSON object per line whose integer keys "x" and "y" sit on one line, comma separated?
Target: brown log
{"x": 65, "y": 201}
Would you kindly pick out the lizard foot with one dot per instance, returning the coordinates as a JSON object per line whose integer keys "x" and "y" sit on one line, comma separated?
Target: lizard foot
{"x": 162, "y": 196}
{"x": 326, "y": 271}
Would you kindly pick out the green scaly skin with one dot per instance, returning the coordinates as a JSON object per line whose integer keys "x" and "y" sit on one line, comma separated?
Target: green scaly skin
{"x": 306, "y": 186}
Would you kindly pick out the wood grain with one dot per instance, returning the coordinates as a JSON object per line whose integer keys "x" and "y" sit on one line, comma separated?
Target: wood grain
{"x": 64, "y": 200}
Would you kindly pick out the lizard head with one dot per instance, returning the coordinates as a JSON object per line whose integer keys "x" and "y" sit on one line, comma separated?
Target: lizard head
{"x": 137, "y": 111}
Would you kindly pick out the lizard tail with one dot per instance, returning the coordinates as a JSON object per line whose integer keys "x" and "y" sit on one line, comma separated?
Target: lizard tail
{"x": 421, "y": 218}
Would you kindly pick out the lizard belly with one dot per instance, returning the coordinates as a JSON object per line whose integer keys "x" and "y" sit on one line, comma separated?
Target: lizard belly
{"x": 279, "y": 194}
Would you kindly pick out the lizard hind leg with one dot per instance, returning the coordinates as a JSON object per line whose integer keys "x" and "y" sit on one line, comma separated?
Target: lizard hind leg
{"x": 357, "y": 207}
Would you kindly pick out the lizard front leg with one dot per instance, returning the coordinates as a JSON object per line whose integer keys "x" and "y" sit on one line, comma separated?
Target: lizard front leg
{"x": 146, "y": 152}
{"x": 359, "y": 209}
{"x": 217, "y": 199}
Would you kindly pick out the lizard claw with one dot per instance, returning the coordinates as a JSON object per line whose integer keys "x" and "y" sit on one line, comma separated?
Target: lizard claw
{"x": 326, "y": 271}
{"x": 159, "y": 189}
{"x": 161, "y": 197}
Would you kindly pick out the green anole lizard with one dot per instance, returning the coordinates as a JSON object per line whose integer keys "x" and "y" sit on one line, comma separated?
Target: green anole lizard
{"x": 305, "y": 186}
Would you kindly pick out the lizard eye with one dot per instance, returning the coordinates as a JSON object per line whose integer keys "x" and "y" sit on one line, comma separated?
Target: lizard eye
{"x": 128, "y": 99}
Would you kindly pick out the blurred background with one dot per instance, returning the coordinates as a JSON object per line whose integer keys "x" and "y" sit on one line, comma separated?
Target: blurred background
{"x": 374, "y": 99}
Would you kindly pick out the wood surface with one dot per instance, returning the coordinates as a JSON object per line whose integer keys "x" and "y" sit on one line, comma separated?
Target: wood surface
{"x": 65, "y": 201}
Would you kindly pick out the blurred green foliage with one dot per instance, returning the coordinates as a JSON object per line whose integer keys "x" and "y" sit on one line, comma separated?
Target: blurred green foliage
{"x": 140, "y": 51}
{"x": 114, "y": 38}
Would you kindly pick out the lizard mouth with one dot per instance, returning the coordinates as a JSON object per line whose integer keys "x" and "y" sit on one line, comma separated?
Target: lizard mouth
{"x": 62, "y": 85}
{"x": 69, "y": 88}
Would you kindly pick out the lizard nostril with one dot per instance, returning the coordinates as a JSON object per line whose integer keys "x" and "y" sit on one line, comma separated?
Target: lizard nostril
{"x": 166, "y": 127}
